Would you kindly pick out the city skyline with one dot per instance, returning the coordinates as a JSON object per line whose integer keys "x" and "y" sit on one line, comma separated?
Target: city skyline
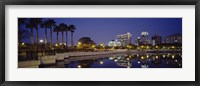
{"x": 92, "y": 27}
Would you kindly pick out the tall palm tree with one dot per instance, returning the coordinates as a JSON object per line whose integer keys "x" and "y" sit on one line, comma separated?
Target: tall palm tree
{"x": 72, "y": 28}
{"x": 56, "y": 29}
{"x": 66, "y": 29}
{"x": 62, "y": 29}
{"x": 30, "y": 25}
{"x": 45, "y": 26}
{"x": 21, "y": 21}
{"x": 37, "y": 21}
{"x": 50, "y": 23}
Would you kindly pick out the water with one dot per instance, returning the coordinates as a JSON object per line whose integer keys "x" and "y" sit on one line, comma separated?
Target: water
{"x": 148, "y": 60}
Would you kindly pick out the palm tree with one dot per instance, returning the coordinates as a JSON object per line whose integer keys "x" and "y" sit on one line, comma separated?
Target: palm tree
{"x": 30, "y": 26}
{"x": 37, "y": 21}
{"x": 66, "y": 29}
{"x": 34, "y": 22}
{"x": 56, "y": 29}
{"x": 50, "y": 23}
{"x": 21, "y": 21}
{"x": 62, "y": 29}
{"x": 72, "y": 28}
{"x": 45, "y": 26}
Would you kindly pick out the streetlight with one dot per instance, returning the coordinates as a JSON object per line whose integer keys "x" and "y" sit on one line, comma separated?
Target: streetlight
{"x": 79, "y": 43}
{"x": 23, "y": 43}
{"x": 41, "y": 41}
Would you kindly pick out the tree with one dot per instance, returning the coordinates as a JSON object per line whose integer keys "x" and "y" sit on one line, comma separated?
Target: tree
{"x": 30, "y": 25}
{"x": 62, "y": 29}
{"x": 45, "y": 26}
{"x": 56, "y": 29}
{"x": 23, "y": 34}
{"x": 72, "y": 28}
{"x": 50, "y": 23}
{"x": 66, "y": 29}
{"x": 21, "y": 21}
{"x": 37, "y": 21}
{"x": 85, "y": 42}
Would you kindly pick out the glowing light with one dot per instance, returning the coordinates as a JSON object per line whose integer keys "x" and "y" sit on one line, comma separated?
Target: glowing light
{"x": 41, "y": 41}
{"x": 79, "y": 66}
{"x": 175, "y": 60}
{"x": 138, "y": 62}
{"x": 128, "y": 59}
{"x": 93, "y": 46}
{"x": 56, "y": 44}
{"x": 115, "y": 60}
{"x": 156, "y": 57}
{"x": 156, "y": 46}
{"x": 101, "y": 62}
{"x": 23, "y": 43}
{"x": 147, "y": 56}
{"x": 79, "y": 43}
{"x": 111, "y": 58}
{"x": 163, "y": 56}
{"x": 142, "y": 57}
{"x": 172, "y": 56}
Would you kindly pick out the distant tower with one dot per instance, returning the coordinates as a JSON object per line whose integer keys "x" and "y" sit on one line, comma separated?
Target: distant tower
{"x": 144, "y": 37}
{"x": 156, "y": 39}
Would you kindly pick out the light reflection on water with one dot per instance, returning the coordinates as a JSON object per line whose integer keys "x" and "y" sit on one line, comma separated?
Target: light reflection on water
{"x": 148, "y": 60}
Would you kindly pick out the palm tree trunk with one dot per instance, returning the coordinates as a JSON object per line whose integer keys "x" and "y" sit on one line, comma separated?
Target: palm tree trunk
{"x": 57, "y": 37}
{"x": 19, "y": 30}
{"x": 62, "y": 40}
{"x": 32, "y": 40}
{"x": 66, "y": 39}
{"x": 50, "y": 38}
{"x": 72, "y": 41}
{"x": 37, "y": 39}
{"x": 46, "y": 41}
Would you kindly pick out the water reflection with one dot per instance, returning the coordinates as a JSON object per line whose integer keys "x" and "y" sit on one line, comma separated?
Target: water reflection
{"x": 146, "y": 60}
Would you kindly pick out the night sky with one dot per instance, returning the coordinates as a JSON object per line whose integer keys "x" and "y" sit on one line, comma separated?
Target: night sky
{"x": 105, "y": 29}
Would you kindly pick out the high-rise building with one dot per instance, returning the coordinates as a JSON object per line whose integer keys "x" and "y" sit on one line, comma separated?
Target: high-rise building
{"x": 125, "y": 39}
{"x": 156, "y": 39}
{"x": 144, "y": 38}
{"x": 175, "y": 38}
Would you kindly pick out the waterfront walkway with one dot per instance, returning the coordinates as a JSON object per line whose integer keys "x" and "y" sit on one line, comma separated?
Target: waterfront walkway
{"x": 52, "y": 59}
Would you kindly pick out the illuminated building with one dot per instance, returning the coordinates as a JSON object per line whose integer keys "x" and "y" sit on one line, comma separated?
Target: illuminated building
{"x": 175, "y": 38}
{"x": 144, "y": 38}
{"x": 125, "y": 39}
{"x": 156, "y": 39}
{"x": 114, "y": 43}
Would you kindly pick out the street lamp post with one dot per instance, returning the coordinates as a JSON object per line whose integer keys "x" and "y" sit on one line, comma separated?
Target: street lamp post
{"x": 41, "y": 43}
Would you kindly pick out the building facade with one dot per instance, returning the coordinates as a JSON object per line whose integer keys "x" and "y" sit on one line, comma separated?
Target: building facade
{"x": 144, "y": 39}
{"x": 125, "y": 39}
{"x": 114, "y": 43}
{"x": 175, "y": 38}
{"x": 156, "y": 40}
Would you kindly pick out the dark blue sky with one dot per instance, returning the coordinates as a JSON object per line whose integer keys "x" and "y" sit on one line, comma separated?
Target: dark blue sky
{"x": 106, "y": 29}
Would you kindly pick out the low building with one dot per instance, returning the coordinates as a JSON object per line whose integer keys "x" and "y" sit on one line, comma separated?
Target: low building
{"x": 114, "y": 43}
